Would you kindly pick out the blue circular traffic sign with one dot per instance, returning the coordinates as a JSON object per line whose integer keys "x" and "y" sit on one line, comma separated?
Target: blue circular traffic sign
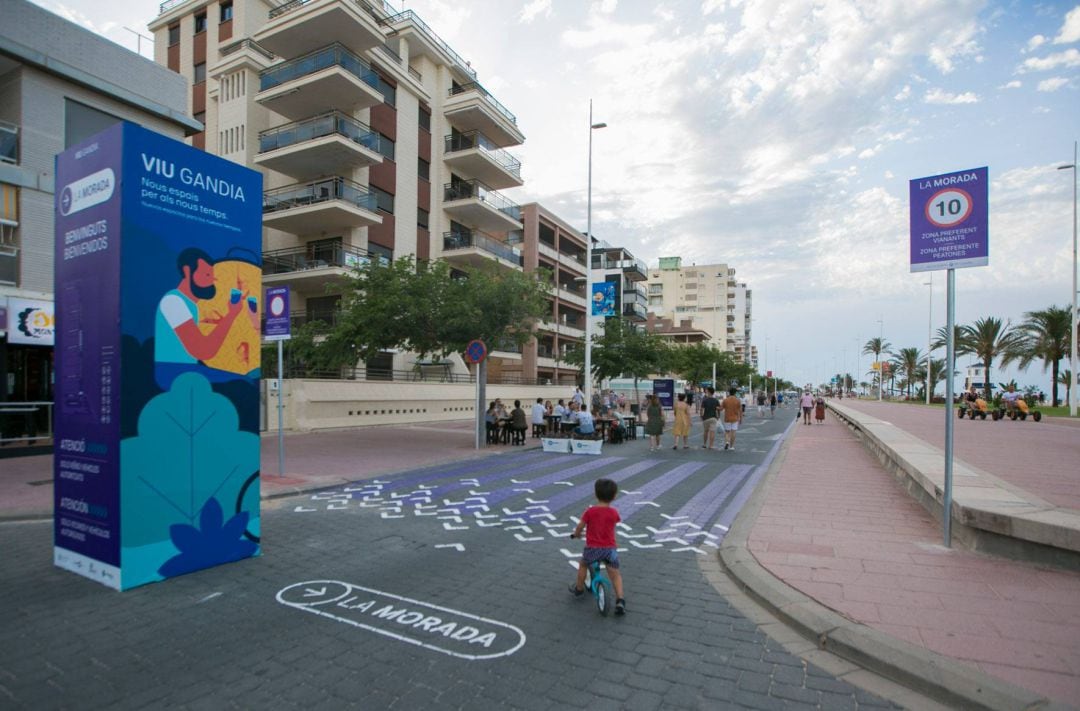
{"x": 476, "y": 351}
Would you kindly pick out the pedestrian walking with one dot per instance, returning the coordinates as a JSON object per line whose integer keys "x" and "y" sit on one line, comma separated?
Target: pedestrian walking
{"x": 733, "y": 414}
{"x": 761, "y": 403}
{"x": 807, "y": 404}
{"x": 654, "y": 423}
{"x": 681, "y": 430}
{"x": 772, "y": 405}
{"x": 819, "y": 410}
{"x": 709, "y": 408}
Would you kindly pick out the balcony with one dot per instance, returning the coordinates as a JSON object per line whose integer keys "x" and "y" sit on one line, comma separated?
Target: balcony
{"x": 470, "y": 107}
{"x": 573, "y": 296}
{"x": 317, "y": 83}
{"x": 635, "y": 312}
{"x": 332, "y": 143}
{"x": 572, "y": 262}
{"x": 633, "y": 269}
{"x": 324, "y": 205}
{"x": 475, "y": 204}
{"x": 474, "y": 154}
{"x": 474, "y": 247}
{"x": 301, "y": 26}
{"x": 412, "y": 29}
{"x": 9, "y": 143}
{"x": 309, "y": 269}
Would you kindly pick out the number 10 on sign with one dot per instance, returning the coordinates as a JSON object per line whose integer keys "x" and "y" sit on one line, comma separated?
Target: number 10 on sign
{"x": 949, "y": 227}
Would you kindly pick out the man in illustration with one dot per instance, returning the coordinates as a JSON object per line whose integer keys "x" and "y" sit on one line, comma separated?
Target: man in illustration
{"x": 179, "y": 344}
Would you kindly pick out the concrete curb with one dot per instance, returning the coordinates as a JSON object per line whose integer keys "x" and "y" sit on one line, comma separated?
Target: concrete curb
{"x": 939, "y": 677}
{"x": 989, "y": 514}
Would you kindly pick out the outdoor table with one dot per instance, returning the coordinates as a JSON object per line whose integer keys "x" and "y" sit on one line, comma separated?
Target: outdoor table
{"x": 553, "y": 423}
{"x": 567, "y": 427}
{"x": 631, "y": 426}
{"x": 602, "y": 424}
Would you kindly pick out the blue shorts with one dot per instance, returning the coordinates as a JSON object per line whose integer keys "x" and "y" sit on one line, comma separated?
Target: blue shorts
{"x": 609, "y": 556}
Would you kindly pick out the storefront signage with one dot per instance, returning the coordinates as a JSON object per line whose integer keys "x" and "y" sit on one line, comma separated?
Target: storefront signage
{"x": 30, "y": 322}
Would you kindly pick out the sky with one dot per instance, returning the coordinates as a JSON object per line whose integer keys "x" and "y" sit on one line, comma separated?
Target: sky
{"x": 779, "y": 137}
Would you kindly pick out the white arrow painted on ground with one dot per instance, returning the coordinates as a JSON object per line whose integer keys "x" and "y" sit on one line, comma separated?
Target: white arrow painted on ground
{"x": 680, "y": 541}
{"x": 301, "y": 509}
{"x": 688, "y": 548}
{"x": 332, "y": 506}
{"x": 484, "y": 524}
{"x": 480, "y": 515}
{"x": 459, "y": 546}
{"x": 516, "y": 481}
{"x": 556, "y": 534}
{"x": 473, "y": 482}
{"x": 456, "y": 519}
{"x": 450, "y": 510}
{"x": 537, "y": 501}
{"x": 519, "y": 528}
{"x": 684, "y": 523}
{"x": 565, "y": 483}
{"x": 635, "y": 535}
{"x": 631, "y": 492}
{"x": 700, "y": 533}
{"x": 659, "y": 531}
{"x": 721, "y": 527}
{"x": 646, "y": 503}
{"x": 525, "y": 539}
{"x": 449, "y": 527}
{"x": 569, "y": 554}
{"x": 645, "y": 545}
{"x": 390, "y": 515}
{"x": 425, "y": 513}
{"x": 672, "y": 518}
{"x": 530, "y": 491}
{"x": 311, "y": 592}
{"x": 508, "y": 512}
{"x": 553, "y": 525}
{"x": 479, "y": 493}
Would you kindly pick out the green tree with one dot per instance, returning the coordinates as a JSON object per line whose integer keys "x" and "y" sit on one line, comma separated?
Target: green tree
{"x": 906, "y": 363}
{"x": 1044, "y": 336}
{"x": 989, "y": 338}
{"x": 876, "y": 346}
{"x": 939, "y": 340}
{"x": 1065, "y": 378}
{"x": 694, "y": 362}
{"x": 623, "y": 350}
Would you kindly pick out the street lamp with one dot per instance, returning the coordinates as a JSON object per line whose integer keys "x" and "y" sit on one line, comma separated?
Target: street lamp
{"x": 929, "y": 334}
{"x": 588, "y": 268}
{"x": 1072, "y": 338}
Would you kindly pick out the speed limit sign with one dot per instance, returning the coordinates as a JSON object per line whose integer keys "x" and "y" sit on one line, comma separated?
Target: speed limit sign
{"x": 949, "y": 221}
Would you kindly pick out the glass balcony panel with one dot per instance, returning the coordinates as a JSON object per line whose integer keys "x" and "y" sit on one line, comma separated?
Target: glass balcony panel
{"x": 475, "y": 238}
{"x": 474, "y": 189}
{"x": 317, "y": 191}
{"x": 334, "y": 55}
{"x": 474, "y": 139}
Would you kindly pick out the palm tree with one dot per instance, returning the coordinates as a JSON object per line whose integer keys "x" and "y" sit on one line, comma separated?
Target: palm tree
{"x": 940, "y": 336}
{"x": 907, "y": 363}
{"x": 1066, "y": 379}
{"x": 877, "y": 346}
{"x": 989, "y": 338}
{"x": 938, "y": 372}
{"x": 1045, "y": 335}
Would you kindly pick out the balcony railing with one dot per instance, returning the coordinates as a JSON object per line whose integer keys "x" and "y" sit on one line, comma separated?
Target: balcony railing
{"x": 168, "y": 5}
{"x": 296, "y": 4}
{"x": 474, "y": 189}
{"x": 245, "y": 44}
{"x": 333, "y": 55}
{"x": 475, "y": 86}
{"x": 410, "y": 16}
{"x": 474, "y": 139}
{"x": 635, "y": 310}
{"x": 333, "y": 122}
{"x": 298, "y": 259}
{"x": 9, "y": 142}
{"x": 480, "y": 240}
{"x": 317, "y": 191}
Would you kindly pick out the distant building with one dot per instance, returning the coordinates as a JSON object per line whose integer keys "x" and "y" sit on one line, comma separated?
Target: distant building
{"x": 709, "y": 296}
{"x": 682, "y": 332}
{"x": 59, "y": 84}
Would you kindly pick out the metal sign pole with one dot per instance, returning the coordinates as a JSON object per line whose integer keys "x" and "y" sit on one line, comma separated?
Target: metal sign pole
{"x": 481, "y": 422}
{"x": 280, "y": 409}
{"x": 950, "y": 319}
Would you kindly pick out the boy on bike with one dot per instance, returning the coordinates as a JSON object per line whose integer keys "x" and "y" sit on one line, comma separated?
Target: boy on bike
{"x": 598, "y": 522}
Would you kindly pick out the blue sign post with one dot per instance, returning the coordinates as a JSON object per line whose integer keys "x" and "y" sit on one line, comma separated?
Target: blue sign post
{"x": 950, "y": 230}
{"x": 159, "y": 276}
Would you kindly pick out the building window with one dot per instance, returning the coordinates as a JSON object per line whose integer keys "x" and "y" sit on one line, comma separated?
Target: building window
{"x": 421, "y": 217}
{"x": 200, "y": 73}
{"x": 425, "y": 119}
{"x": 423, "y": 168}
{"x": 200, "y": 22}
{"x": 226, "y": 11}
{"x": 389, "y": 93}
{"x": 386, "y": 146}
{"x": 381, "y": 253}
{"x": 174, "y": 34}
{"x": 383, "y": 200}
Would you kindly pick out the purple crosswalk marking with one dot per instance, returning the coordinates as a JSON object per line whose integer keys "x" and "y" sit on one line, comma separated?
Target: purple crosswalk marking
{"x": 731, "y": 510}
{"x": 660, "y": 485}
{"x": 482, "y": 481}
{"x": 583, "y": 492}
{"x": 707, "y": 502}
{"x": 453, "y": 469}
{"x": 561, "y": 475}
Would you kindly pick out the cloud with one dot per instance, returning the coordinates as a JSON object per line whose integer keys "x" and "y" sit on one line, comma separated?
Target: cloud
{"x": 1035, "y": 42}
{"x": 605, "y": 7}
{"x": 940, "y": 96}
{"x": 534, "y": 8}
{"x": 1068, "y": 58}
{"x": 1014, "y": 84}
{"x": 1070, "y": 29}
{"x": 1052, "y": 84}
{"x": 904, "y": 94}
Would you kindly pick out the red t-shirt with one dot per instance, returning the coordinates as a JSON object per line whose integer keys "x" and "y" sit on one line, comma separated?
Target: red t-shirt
{"x": 600, "y": 526}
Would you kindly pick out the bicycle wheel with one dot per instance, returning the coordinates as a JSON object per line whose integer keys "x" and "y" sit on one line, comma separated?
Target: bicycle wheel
{"x": 605, "y": 596}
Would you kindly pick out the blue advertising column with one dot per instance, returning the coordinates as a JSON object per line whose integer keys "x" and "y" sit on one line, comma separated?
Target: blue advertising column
{"x": 664, "y": 388}
{"x": 158, "y": 283}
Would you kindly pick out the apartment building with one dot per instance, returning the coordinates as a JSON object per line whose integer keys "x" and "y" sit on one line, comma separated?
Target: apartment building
{"x": 710, "y": 296}
{"x": 59, "y": 84}
{"x": 375, "y": 138}
{"x": 626, "y": 275}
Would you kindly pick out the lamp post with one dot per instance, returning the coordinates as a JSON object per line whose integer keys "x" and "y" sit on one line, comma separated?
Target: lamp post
{"x": 880, "y": 369}
{"x": 929, "y": 334}
{"x": 1072, "y": 336}
{"x": 588, "y": 268}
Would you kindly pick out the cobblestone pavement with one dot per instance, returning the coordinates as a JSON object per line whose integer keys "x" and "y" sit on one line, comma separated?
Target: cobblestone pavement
{"x": 443, "y": 587}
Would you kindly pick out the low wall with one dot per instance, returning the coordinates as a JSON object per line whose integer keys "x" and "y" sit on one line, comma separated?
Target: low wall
{"x": 326, "y": 404}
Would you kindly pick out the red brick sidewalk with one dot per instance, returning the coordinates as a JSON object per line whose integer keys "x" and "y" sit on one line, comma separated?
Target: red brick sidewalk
{"x": 837, "y": 527}
{"x": 1040, "y": 457}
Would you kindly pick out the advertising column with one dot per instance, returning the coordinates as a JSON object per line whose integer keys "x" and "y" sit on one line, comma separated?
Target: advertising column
{"x": 158, "y": 273}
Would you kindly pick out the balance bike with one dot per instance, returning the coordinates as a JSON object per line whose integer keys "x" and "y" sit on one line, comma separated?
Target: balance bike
{"x": 598, "y": 583}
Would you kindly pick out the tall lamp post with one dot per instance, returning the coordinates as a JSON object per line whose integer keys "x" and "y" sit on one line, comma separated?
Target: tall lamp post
{"x": 929, "y": 334}
{"x": 1072, "y": 338}
{"x": 588, "y": 268}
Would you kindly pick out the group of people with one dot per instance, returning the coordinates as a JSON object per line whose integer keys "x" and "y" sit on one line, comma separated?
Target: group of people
{"x": 725, "y": 415}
